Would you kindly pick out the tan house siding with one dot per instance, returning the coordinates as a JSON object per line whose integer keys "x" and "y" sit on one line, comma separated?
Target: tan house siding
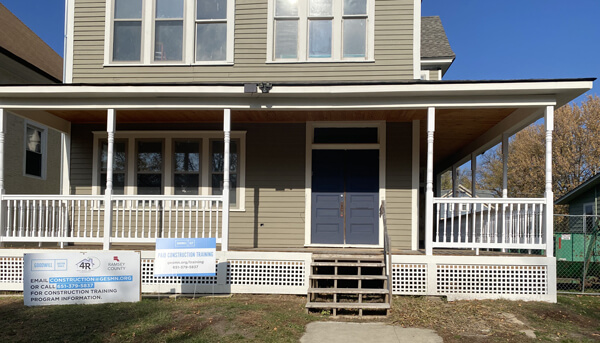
{"x": 434, "y": 75}
{"x": 398, "y": 184}
{"x": 275, "y": 179}
{"x": 275, "y": 165}
{"x": 14, "y": 157}
{"x": 393, "y": 51}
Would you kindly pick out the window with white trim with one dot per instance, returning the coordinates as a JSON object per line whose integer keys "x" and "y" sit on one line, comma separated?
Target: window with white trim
{"x": 35, "y": 149}
{"x": 169, "y": 32}
{"x": 171, "y": 163}
{"x": 321, "y": 30}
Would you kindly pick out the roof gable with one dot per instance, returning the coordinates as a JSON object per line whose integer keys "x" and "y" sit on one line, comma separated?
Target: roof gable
{"x": 434, "y": 42}
{"x": 17, "y": 39}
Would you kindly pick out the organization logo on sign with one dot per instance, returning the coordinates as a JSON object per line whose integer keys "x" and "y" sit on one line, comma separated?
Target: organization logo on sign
{"x": 88, "y": 264}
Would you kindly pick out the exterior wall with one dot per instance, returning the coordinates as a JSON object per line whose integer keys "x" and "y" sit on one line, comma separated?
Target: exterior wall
{"x": 576, "y": 206}
{"x": 434, "y": 75}
{"x": 275, "y": 165}
{"x": 393, "y": 51}
{"x": 12, "y": 72}
{"x": 399, "y": 183}
{"x": 14, "y": 150}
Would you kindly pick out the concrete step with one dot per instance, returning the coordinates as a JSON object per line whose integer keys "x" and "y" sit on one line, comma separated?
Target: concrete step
{"x": 368, "y": 306}
{"x": 348, "y": 290}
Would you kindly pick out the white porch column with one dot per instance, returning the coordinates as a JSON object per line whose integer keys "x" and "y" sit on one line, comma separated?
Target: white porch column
{"x": 505, "y": 165}
{"x": 549, "y": 195}
{"x": 473, "y": 175}
{"x": 226, "y": 186}
{"x": 110, "y": 129}
{"x": 2, "y": 134}
{"x": 429, "y": 184}
{"x": 65, "y": 144}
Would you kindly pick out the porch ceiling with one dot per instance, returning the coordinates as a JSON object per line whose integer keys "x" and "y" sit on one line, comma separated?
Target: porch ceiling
{"x": 456, "y": 128}
{"x": 238, "y": 116}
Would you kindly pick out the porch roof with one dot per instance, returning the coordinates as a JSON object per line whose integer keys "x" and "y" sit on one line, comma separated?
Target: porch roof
{"x": 471, "y": 115}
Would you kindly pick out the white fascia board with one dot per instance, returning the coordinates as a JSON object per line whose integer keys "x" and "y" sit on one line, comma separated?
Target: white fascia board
{"x": 413, "y": 95}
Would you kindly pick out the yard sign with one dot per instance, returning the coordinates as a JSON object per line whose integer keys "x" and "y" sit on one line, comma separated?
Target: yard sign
{"x": 91, "y": 277}
{"x": 185, "y": 257}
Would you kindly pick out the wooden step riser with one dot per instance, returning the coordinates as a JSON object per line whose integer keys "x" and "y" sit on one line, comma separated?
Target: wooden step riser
{"x": 374, "y": 306}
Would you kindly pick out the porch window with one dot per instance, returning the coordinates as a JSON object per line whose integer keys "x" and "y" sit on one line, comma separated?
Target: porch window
{"x": 34, "y": 150}
{"x": 173, "y": 163}
{"x": 127, "y": 30}
{"x": 149, "y": 167}
{"x": 179, "y": 32}
{"x": 321, "y": 30}
{"x": 119, "y": 165}
{"x": 217, "y": 164}
{"x": 186, "y": 167}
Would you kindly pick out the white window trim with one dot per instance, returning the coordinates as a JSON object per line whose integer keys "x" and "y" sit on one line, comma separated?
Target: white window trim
{"x": 336, "y": 36}
{"x": 203, "y": 137}
{"x": 147, "y": 44}
{"x": 310, "y": 146}
{"x": 44, "y": 148}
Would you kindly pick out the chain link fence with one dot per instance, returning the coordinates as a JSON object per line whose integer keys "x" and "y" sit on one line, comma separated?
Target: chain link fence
{"x": 577, "y": 250}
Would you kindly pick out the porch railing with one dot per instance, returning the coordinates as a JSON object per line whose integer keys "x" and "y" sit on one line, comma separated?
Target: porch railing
{"x": 494, "y": 223}
{"x": 135, "y": 219}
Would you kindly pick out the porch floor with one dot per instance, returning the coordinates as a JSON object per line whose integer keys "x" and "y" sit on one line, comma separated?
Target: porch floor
{"x": 329, "y": 250}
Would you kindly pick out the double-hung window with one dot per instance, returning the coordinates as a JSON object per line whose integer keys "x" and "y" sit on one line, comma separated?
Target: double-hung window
{"x": 175, "y": 163}
{"x": 127, "y": 30}
{"x": 168, "y": 30}
{"x": 165, "y": 32}
{"x": 35, "y": 148}
{"x": 320, "y": 30}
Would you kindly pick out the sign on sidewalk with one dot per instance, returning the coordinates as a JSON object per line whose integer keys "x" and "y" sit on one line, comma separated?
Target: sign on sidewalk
{"x": 185, "y": 257}
{"x": 91, "y": 277}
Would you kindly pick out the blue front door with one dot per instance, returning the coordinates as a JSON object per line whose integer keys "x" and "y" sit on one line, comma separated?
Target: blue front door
{"x": 345, "y": 197}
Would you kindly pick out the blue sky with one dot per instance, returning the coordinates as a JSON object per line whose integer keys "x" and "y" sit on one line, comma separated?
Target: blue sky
{"x": 502, "y": 39}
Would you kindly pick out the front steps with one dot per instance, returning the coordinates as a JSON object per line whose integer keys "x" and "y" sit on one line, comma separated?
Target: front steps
{"x": 344, "y": 284}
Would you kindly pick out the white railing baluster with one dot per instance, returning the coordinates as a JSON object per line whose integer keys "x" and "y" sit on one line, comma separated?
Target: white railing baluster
{"x": 197, "y": 208}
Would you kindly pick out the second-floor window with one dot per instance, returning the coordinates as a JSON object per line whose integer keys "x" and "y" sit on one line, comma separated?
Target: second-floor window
{"x": 321, "y": 30}
{"x": 159, "y": 32}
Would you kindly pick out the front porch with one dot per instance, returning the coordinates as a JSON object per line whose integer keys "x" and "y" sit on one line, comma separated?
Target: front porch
{"x": 253, "y": 186}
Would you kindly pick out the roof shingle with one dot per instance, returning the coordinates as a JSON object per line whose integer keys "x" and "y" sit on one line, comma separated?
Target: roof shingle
{"x": 434, "y": 42}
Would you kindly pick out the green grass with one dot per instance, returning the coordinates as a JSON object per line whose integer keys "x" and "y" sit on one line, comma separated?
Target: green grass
{"x": 234, "y": 319}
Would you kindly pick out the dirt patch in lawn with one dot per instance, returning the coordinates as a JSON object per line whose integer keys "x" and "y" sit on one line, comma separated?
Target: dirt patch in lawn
{"x": 572, "y": 319}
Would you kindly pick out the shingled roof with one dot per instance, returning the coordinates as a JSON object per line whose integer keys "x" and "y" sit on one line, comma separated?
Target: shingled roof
{"x": 434, "y": 42}
{"x": 22, "y": 43}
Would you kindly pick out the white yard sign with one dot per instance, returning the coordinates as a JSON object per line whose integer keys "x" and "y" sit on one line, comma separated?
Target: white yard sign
{"x": 91, "y": 277}
{"x": 185, "y": 257}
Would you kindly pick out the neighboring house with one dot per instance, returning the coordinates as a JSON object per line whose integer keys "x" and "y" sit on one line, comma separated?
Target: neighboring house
{"x": 281, "y": 129}
{"x": 583, "y": 206}
{"x": 32, "y": 151}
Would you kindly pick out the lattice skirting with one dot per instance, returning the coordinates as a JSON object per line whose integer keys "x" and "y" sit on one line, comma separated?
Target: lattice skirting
{"x": 459, "y": 277}
{"x": 236, "y": 272}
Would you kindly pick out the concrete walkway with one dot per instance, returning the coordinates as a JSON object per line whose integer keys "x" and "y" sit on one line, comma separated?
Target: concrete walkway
{"x": 340, "y": 332}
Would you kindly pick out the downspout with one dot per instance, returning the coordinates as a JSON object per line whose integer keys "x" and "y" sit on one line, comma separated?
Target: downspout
{"x": 65, "y": 37}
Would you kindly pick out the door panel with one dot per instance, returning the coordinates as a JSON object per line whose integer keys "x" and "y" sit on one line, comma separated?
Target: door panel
{"x": 362, "y": 196}
{"x": 327, "y": 196}
{"x": 345, "y": 197}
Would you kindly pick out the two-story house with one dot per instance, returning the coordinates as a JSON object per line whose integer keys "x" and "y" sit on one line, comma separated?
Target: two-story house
{"x": 282, "y": 128}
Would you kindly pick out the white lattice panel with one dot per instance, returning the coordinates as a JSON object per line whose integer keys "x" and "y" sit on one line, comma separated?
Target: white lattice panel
{"x": 266, "y": 273}
{"x": 492, "y": 279}
{"x": 409, "y": 278}
{"x": 149, "y": 279}
{"x": 11, "y": 269}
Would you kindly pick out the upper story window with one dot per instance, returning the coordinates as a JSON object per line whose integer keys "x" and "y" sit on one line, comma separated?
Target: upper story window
{"x": 320, "y": 30}
{"x": 159, "y": 32}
